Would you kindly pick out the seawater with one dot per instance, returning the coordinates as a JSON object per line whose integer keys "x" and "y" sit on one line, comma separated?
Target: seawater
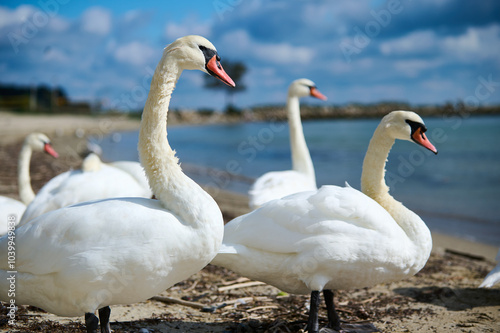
{"x": 456, "y": 192}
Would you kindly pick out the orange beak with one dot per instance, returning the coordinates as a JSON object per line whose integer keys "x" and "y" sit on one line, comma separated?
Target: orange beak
{"x": 315, "y": 93}
{"x": 49, "y": 150}
{"x": 214, "y": 68}
{"x": 420, "y": 138}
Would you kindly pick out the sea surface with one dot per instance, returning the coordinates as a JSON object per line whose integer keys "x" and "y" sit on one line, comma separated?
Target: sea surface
{"x": 456, "y": 192}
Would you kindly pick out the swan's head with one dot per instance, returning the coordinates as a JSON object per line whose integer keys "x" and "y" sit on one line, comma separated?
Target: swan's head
{"x": 407, "y": 125}
{"x": 195, "y": 52}
{"x": 40, "y": 142}
{"x": 303, "y": 88}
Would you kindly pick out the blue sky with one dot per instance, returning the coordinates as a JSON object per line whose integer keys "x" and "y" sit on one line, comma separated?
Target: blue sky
{"x": 421, "y": 52}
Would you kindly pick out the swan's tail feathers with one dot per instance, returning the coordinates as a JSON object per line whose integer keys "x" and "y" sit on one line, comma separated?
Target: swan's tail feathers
{"x": 228, "y": 249}
{"x": 492, "y": 278}
{"x": 347, "y": 185}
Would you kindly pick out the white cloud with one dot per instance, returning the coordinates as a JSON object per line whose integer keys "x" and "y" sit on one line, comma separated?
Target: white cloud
{"x": 135, "y": 53}
{"x": 475, "y": 43}
{"x": 31, "y": 19}
{"x": 468, "y": 42}
{"x": 242, "y": 44}
{"x": 58, "y": 24}
{"x": 412, "y": 67}
{"x": 190, "y": 26}
{"x": 56, "y": 55}
{"x": 17, "y": 16}
{"x": 264, "y": 77}
{"x": 96, "y": 20}
{"x": 415, "y": 42}
{"x": 284, "y": 53}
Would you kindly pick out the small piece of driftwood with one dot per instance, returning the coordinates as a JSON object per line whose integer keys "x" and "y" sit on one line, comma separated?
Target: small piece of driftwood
{"x": 241, "y": 285}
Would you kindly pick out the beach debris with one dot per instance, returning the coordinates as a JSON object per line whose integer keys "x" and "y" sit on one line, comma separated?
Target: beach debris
{"x": 241, "y": 285}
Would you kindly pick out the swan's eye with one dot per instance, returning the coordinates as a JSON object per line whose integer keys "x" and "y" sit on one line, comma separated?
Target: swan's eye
{"x": 208, "y": 53}
{"x": 415, "y": 126}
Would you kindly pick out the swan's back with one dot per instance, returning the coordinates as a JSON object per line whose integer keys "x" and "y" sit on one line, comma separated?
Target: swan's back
{"x": 135, "y": 170}
{"x": 76, "y": 186}
{"x": 333, "y": 238}
{"x": 278, "y": 184}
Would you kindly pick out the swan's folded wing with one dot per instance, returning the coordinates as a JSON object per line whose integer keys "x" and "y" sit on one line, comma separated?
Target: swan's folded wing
{"x": 276, "y": 185}
{"x": 44, "y": 200}
{"x": 84, "y": 233}
{"x": 285, "y": 225}
{"x": 136, "y": 170}
{"x": 493, "y": 277}
{"x": 76, "y": 186}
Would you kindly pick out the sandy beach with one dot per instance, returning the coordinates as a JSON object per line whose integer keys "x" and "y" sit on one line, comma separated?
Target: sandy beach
{"x": 443, "y": 297}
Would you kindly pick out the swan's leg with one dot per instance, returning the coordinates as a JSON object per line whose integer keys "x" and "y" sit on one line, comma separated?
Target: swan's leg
{"x": 91, "y": 322}
{"x": 104, "y": 314}
{"x": 333, "y": 317}
{"x": 312, "y": 323}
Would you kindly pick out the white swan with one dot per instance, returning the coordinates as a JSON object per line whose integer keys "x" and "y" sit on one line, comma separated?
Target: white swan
{"x": 493, "y": 277}
{"x": 94, "y": 181}
{"x": 94, "y": 163}
{"x": 277, "y": 184}
{"x": 335, "y": 237}
{"x": 79, "y": 259}
{"x": 136, "y": 170}
{"x": 11, "y": 210}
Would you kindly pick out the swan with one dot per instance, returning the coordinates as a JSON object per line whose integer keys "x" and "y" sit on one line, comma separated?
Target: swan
{"x": 80, "y": 259}
{"x": 11, "y": 209}
{"x": 93, "y": 163}
{"x": 135, "y": 170}
{"x": 94, "y": 181}
{"x": 493, "y": 277}
{"x": 335, "y": 237}
{"x": 277, "y": 184}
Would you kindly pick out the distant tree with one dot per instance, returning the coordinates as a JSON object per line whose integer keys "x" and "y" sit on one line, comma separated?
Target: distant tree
{"x": 236, "y": 70}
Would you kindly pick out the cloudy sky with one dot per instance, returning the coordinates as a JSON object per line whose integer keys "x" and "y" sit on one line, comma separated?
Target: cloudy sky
{"x": 421, "y": 52}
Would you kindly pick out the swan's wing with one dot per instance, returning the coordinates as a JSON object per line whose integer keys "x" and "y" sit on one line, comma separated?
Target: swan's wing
{"x": 77, "y": 186}
{"x": 493, "y": 277}
{"x": 85, "y": 233}
{"x": 278, "y": 184}
{"x": 10, "y": 211}
{"x": 286, "y": 225}
{"x": 45, "y": 201}
{"x": 134, "y": 169}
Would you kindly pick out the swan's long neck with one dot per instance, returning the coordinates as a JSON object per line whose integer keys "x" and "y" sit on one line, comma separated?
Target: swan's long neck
{"x": 23, "y": 175}
{"x": 373, "y": 175}
{"x": 301, "y": 159}
{"x": 373, "y": 184}
{"x": 177, "y": 192}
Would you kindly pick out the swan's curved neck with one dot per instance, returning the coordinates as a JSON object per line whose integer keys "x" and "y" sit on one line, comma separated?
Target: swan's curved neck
{"x": 373, "y": 184}
{"x": 373, "y": 175}
{"x": 301, "y": 158}
{"x": 23, "y": 175}
{"x": 177, "y": 192}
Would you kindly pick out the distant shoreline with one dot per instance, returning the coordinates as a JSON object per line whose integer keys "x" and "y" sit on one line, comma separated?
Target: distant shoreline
{"x": 278, "y": 112}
